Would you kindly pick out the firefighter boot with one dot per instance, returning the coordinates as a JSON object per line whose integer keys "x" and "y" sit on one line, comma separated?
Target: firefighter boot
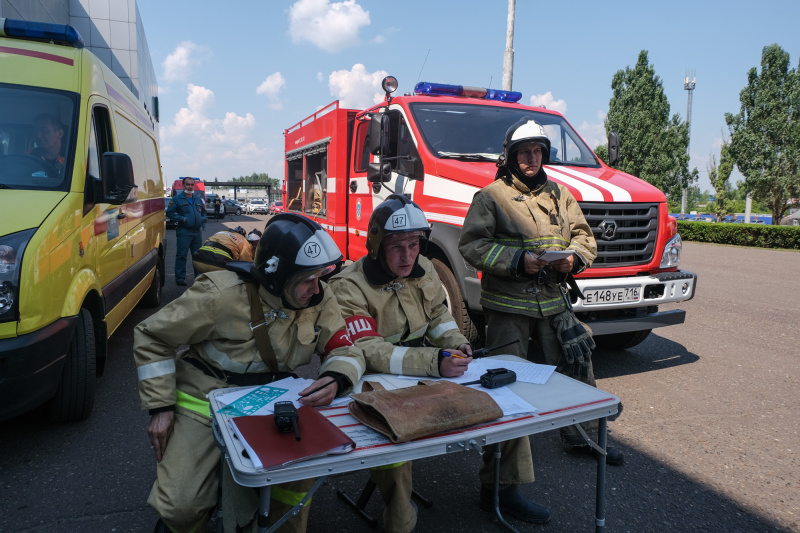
{"x": 394, "y": 483}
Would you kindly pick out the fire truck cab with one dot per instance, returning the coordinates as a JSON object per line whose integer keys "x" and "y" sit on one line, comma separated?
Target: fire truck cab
{"x": 438, "y": 147}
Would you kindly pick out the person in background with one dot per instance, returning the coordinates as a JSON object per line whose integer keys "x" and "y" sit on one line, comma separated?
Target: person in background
{"x": 189, "y": 213}
{"x": 225, "y": 246}
{"x": 510, "y": 223}
{"x": 395, "y": 306}
{"x": 213, "y": 318}
{"x": 217, "y": 205}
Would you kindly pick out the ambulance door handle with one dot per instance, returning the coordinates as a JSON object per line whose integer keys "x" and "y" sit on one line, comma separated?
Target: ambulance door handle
{"x": 353, "y": 186}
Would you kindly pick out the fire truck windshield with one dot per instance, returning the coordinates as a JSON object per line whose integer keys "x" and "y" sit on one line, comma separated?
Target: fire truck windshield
{"x": 474, "y": 132}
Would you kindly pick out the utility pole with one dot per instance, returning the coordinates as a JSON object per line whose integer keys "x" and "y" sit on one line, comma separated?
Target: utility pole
{"x": 688, "y": 85}
{"x": 508, "y": 56}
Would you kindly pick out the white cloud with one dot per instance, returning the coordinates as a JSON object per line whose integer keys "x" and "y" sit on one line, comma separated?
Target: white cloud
{"x": 356, "y": 88}
{"x": 330, "y": 26}
{"x": 179, "y": 64}
{"x": 594, "y": 133}
{"x": 320, "y": 76}
{"x": 199, "y": 144}
{"x": 271, "y": 88}
{"x": 546, "y": 100}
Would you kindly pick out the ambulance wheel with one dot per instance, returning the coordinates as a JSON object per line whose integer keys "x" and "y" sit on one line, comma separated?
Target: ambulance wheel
{"x": 455, "y": 303}
{"x": 152, "y": 298}
{"x": 74, "y": 398}
{"x": 621, "y": 341}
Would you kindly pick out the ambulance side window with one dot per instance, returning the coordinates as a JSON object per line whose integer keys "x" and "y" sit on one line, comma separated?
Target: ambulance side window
{"x": 100, "y": 142}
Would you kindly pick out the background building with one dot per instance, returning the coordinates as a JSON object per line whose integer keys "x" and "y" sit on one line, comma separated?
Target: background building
{"x": 111, "y": 29}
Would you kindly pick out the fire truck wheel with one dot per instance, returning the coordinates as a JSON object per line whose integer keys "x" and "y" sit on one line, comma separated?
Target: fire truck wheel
{"x": 455, "y": 303}
{"x": 74, "y": 398}
{"x": 621, "y": 341}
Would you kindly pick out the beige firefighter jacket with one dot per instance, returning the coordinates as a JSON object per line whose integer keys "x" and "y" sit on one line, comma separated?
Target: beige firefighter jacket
{"x": 389, "y": 322}
{"x": 239, "y": 247}
{"x": 505, "y": 220}
{"x": 213, "y": 318}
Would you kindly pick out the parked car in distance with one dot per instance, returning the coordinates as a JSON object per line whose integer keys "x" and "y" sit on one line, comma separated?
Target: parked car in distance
{"x": 257, "y": 206}
{"x": 233, "y": 208}
{"x": 170, "y": 223}
{"x": 276, "y": 207}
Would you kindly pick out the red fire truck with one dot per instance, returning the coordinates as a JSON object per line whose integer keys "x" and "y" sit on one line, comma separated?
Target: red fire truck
{"x": 438, "y": 147}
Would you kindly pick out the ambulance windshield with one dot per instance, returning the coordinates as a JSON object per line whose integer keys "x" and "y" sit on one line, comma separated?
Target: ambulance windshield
{"x": 471, "y": 132}
{"x": 36, "y": 137}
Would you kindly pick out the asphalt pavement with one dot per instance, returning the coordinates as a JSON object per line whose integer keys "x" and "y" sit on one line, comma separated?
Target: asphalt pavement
{"x": 710, "y": 429}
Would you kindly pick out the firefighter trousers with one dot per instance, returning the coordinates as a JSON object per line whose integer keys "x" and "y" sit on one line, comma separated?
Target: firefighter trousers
{"x": 504, "y": 327}
{"x": 394, "y": 483}
{"x": 187, "y": 481}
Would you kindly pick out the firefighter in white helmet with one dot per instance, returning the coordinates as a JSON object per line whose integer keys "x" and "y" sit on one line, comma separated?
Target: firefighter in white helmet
{"x": 510, "y": 223}
{"x": 300, "y": 317}
{"x": 395, "y": 307}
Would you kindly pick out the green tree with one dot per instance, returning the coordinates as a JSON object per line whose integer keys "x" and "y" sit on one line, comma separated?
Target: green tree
{"x": 718, "y": 175}
{"x": 258, "y": 177}
{"x": 602, "y": 152}
{"x": 765, "y": 134}
{"x": 653, "y": 146}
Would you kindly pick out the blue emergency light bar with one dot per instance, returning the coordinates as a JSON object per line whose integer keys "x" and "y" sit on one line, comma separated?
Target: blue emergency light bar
{"x": 442, "y": 89}
{"x": 41, "y": 31}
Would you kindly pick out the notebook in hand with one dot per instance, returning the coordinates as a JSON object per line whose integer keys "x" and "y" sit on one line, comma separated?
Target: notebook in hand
{"x": 269, "y": 449}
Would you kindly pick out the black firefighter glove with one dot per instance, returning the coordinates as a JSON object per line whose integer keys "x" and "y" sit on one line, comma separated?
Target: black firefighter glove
{"x": 576, "y": 343}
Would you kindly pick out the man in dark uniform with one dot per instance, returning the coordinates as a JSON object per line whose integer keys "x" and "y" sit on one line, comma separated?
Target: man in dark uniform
{"x": 189, "y": 213}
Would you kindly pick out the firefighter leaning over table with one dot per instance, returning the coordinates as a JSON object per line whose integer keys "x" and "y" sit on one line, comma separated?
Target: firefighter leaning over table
{"x": 299, "y": 317}
{"x": 395, "y": 309}
{"x": 509, "y": 224}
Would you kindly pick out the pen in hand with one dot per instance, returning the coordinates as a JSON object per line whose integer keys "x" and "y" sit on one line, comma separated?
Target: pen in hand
{"x": 306, "y": 395}
{"x": 448, "y": 354}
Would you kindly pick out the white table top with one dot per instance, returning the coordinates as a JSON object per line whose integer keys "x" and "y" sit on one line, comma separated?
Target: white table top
{"x": 562, "y": 401}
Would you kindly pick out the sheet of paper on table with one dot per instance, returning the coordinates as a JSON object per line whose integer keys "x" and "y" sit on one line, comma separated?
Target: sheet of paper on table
{"x": 261, "y": 400}
{"x": 507, "y": 400}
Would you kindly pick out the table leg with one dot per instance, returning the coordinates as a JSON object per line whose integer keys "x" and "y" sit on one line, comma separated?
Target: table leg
{"x": 600, "y": 498}
{"x": 497, "y": 489}
{"x": 263, "y": 507}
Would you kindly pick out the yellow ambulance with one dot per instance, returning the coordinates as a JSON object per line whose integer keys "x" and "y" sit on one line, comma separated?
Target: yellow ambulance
{"x": 81, "y": 217}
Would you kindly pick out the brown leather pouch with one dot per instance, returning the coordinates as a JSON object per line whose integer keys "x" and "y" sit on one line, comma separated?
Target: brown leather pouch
{"x": 427, "y": 408}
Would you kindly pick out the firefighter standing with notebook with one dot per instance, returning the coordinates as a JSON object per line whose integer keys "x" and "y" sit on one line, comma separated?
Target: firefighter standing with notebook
{"x": 509, "y": 224}
{"x": 298, "y": 317}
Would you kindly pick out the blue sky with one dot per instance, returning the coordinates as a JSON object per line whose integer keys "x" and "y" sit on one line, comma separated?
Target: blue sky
{"x": 233, "y": 75}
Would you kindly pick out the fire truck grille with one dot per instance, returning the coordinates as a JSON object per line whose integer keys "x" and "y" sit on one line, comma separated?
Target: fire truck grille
{"x": 625, "y": 234}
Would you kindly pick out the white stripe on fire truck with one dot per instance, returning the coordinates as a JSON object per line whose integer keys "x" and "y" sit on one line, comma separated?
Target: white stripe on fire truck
{"x": 439, "y": 187}
{"x": 334, "y": 229}
{"x": 588, "y": 192}
{"x": 617, "y": 193}
{"x": 439, "y": 217}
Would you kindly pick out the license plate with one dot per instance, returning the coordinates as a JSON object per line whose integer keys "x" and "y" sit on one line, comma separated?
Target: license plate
{"x": 613, "y": 295}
